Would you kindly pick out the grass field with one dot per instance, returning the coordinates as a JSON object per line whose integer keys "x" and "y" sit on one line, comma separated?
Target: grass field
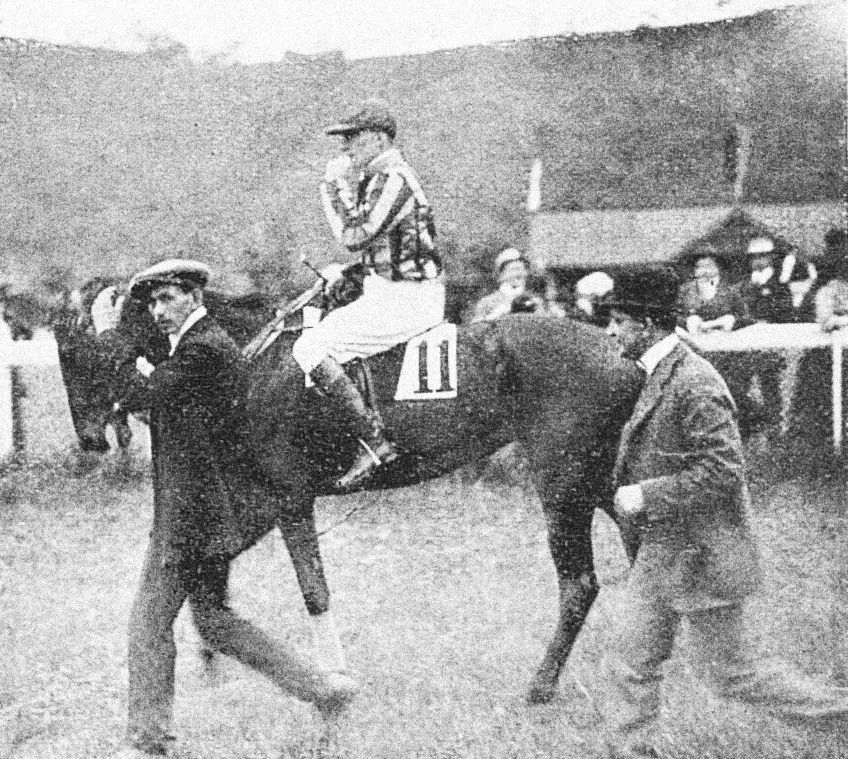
{"x": 445, "y": 595}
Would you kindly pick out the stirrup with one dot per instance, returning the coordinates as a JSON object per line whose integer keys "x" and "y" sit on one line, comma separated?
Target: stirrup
{"x": 366, "y": 463}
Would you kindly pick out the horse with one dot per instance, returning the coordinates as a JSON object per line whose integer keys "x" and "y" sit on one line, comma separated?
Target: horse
{"x": 90, "y": 398}
{"x": 556, "y": 386}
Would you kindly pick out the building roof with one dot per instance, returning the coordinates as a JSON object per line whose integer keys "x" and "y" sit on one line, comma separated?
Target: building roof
{"x": 595, "y": 239}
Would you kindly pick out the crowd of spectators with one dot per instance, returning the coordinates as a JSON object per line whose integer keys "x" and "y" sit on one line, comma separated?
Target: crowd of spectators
{"x": 777, "y": 287}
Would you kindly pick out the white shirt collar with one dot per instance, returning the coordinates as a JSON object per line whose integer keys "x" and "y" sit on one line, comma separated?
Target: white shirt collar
{"x": 657, "y": 352}
{"x": 194, "y": 317}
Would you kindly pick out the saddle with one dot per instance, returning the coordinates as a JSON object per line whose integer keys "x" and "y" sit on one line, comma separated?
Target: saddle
{"x": 425, "y": 367}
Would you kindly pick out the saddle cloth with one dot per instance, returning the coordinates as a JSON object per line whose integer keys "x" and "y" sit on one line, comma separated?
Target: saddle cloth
{"x": 428, "y": 370}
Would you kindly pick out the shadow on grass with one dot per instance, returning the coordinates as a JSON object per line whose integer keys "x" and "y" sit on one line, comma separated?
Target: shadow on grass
{"x": 21, "y": 480}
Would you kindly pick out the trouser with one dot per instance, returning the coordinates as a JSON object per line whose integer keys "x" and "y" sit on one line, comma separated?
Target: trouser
{"x": 152, "y": 652}
{"x": 386, "y": 314}
{"x": 645, "y": 642}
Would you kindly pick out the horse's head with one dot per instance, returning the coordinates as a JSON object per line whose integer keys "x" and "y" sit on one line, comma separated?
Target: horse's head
{"x": 86, "y": 372}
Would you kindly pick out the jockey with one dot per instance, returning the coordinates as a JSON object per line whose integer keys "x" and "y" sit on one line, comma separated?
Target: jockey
{"x": 376, "y": 209}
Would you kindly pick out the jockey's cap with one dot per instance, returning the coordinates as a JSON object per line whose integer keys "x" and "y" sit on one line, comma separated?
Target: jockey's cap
{"x": 508, "y": 256}
{"x": 373, "y": 116}
{"x": 645, "y": 292}
{"x": 181, "y": 272}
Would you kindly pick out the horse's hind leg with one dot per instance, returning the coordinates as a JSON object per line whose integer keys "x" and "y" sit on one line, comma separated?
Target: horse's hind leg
{"x": 569, "y": 524}
{"x": 301, "y": 538}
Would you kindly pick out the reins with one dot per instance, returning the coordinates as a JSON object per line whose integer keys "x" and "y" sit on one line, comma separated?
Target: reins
{"x": 273, "y": 329}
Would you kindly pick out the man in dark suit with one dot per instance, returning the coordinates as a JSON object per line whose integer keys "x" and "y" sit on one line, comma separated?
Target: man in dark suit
{"x": 682, "y": 499}
{"x": 202, "y": 476}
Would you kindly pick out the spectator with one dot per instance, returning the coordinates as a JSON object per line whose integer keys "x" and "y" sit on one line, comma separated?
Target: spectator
{"x": 766, "y": 299}
{"x": 589, "y": 291}
{"x": 831, "y": 300}
{"x": 513, "y": 271}
{"x": 553, "y": 305}
{"x": 708, "y": 302}
{"x": 802, "y": 278}
{"x": 681, "y": 498}
{"x": 810, "y": 421}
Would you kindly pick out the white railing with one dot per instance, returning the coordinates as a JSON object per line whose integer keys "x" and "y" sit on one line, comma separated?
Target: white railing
{"x": 787, "y": 337}
{"x": 41, "y": 352}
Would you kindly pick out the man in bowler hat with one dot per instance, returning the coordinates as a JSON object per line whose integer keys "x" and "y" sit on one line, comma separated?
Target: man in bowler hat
{"x": 681, "y": 497}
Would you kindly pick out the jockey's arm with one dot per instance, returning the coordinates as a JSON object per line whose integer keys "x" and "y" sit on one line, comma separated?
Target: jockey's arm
{"x": 337, "y": 191}
{"x": 336, "y": 209}
{"x": 356, "y": 227}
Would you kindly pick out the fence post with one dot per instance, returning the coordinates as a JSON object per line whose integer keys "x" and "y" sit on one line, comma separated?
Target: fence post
{"x": 836, "y": 393}
{"x": 7, "y": 403}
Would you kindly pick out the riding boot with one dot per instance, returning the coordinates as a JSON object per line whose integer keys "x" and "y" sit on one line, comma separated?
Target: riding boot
{"x": 366, "y": 423}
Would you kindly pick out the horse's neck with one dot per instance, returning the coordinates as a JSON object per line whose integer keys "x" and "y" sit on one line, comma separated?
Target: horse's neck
{"x": 240, "y": 317}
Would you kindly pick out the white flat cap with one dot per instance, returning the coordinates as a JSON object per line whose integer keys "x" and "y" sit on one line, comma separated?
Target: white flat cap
{"x": 182, "y": 272}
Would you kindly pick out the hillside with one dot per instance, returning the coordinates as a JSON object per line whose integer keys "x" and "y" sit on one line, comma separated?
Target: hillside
{"x": 110, "y": 160}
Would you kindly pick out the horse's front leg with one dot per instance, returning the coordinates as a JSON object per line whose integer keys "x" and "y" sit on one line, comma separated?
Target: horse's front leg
{"x": 293, "y": 503}
{"x": 224, "y": 631}
{"x": 570, "y": 541}
{"x": 297, "y": 526}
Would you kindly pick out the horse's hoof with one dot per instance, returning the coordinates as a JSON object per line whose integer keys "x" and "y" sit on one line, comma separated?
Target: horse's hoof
{"x": 338, "y": 691}
{"x": 143, "y": 747}
{"x": 540, "y": 693}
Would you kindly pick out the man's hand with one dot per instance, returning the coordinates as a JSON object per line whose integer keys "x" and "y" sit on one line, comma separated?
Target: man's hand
{"x": 106, "y": 310}
{"x": 332, "y": 273}
{"x": 837, "y": 321}
{"x": 693, "y": 324}
{"x": 339, "y": 170}
{"x": 628, "y": 501}
{"x": 144, "y": 366}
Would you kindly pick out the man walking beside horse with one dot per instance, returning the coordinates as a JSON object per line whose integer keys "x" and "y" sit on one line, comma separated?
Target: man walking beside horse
{"x": 204, "y": 485}
{"x": 682, "y": 501}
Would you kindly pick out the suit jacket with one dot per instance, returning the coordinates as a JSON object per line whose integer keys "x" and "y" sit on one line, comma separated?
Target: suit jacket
{"x": 195, "y": 400}
{"x": 682, "y": 446}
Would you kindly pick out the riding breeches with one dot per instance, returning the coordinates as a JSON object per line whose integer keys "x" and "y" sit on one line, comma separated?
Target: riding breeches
{"x": 387, "y": 313}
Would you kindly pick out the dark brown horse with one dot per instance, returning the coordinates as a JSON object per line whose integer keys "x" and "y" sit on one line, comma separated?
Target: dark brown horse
{"x": 554, "y": 385}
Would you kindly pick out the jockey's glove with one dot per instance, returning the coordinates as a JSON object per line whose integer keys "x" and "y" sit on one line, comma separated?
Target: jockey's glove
{"x": 339, "y": 169}
{"x": 332, "y": 273}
